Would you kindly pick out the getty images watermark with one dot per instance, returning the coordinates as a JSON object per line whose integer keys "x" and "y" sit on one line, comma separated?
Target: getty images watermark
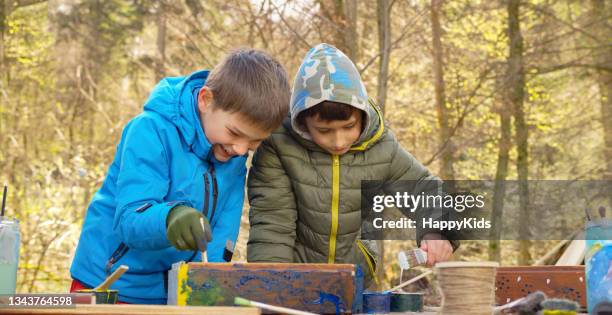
{"x": 411, "y": 202}
{"x": 480, "y": 210}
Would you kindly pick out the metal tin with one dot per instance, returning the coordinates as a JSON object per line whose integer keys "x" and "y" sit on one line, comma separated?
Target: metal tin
{"x": 376, "y": 303}
{"x": 406, "y": 302}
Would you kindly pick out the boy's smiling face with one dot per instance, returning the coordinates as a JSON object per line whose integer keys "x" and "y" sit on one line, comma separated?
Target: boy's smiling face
{"x": 335, "y": 136}
{"x": 230, "y": 134}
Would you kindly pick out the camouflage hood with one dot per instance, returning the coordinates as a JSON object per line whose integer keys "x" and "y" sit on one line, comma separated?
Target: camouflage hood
{"x": 327, "y": 74}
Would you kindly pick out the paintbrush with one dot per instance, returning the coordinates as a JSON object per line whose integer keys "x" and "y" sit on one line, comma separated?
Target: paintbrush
{"x": 204, "y": 256}
{"x": 412, "y": 258}
{"x": 112, "y": 278}
{"x": 415, "y": 279}
{"x": 588, "y": 214}
{"x": 3, "y": 200}
{"x": 602, "y": 212}
{"x": 528, "y": 305}
{"x": 559, "y": 306}
{"x": 279, "y": 309}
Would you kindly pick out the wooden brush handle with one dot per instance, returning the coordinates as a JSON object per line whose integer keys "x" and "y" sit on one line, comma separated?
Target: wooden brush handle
{"x": 112, "y": 278}
{"x": 410, "y": 281}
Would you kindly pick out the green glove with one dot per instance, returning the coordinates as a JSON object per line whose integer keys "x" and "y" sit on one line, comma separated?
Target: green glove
{"x": 188, "y": 229}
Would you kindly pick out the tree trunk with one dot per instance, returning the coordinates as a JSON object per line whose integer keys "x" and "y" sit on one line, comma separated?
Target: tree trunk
{"x": 499, "y": 190}
{"x": 350, "y": 32}
{"x": 342, "y": 15}
{"x": 3, "y": 70}
{"x": 160, "y": 70}
{"x": 446, "y": 167}
{"x": 602, "y": 54}
{"x": 516, "y": 90}
{"x": 3, "y": 19}
{"x": 384, "y": 46}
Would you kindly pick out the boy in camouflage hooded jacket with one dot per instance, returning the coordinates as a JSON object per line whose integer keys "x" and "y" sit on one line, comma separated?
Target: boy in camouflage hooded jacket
{"x": 304, "y": 184}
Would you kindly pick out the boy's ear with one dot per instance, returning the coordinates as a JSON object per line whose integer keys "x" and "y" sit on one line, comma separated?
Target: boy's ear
{"x": 205, "y": 98}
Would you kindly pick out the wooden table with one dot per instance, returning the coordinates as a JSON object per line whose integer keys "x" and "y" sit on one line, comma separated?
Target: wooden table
{"x": 136, "y": 310}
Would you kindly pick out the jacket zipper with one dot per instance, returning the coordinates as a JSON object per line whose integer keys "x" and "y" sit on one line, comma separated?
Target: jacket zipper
{"x": 331, "y": 258}
{"x": 370, "y": 260}
{"x": 205, "y": 209}
{"x": 115, "y": 256}
{"x": 215, "y": 192}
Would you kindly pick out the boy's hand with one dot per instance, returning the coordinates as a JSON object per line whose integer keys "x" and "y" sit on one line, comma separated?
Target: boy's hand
{"x": 438, "y": 249}
{"x": 184, "y": 230}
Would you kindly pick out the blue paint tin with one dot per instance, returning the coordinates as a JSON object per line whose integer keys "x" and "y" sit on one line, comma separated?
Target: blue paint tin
{"x": 376, "y": 303}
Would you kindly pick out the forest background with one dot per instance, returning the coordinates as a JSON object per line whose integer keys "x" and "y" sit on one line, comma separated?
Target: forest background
{"x": 474, "y": 89}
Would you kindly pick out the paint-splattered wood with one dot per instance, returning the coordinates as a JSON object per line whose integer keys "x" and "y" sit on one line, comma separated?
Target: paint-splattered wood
{"x": 555, "y": 281}
{"x": 135, "y": 310}
{"x": 318, "y": 288}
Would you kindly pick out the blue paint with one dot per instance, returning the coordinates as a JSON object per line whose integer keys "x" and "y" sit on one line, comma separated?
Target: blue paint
{"x": 358, "y": 294}
{"x": 293, "y": 288}
{"x": 376, "y": 303}
{"x": 327, "y": 297}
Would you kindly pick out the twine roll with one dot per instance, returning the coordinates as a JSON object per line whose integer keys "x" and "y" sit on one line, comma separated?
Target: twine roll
{"x": 467, "y": 287}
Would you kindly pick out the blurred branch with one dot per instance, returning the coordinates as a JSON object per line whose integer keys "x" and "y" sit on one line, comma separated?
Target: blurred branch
{"x": 574, "y": 28}
{"x": 405, "y": 32}
{"x": 282, "y": 17}
{"x": 572, "y": 64}
{"x": 25, "y": 3}
{"x": 470, "y": 107}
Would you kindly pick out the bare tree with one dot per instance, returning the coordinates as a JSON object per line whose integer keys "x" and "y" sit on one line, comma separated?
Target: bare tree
{"x": 446, "y": 167}
{"x": 343, "y": 15}
{"x": 160, "y": 63}
{"x": 384, "y": 47}
{"x": 602, "y": 53}
{"x": 504, "y": 110}
{"x": 515, "y": 77}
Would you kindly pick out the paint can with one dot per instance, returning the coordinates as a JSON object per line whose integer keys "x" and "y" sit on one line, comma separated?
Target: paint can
{"x": 376, "y": 303}
{"x": 102, "y": 296}
{"x": 406, "y": 302}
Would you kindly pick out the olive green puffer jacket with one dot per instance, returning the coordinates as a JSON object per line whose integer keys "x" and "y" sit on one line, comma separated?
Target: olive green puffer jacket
{"x": 306, "y": 203}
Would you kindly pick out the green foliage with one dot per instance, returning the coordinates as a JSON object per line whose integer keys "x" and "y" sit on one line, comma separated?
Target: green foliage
{"x": 74, "y": 73}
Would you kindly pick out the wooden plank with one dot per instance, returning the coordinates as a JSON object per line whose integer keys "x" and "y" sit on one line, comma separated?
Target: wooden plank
{"x": 132, "y": 309}
{"x": 317, "y": 288}
{"x": 555, "y": 281}
{"x": 574, "y": 254}
{"x": 549, "y": 255}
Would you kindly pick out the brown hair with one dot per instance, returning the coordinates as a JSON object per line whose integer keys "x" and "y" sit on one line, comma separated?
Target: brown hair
{"x": 252, "y": 83}
{"x": 327, "y": 111}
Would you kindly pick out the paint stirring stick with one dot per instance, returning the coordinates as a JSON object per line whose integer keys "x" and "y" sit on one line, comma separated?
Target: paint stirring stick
{"x": 279, "y": 309}
{"x": 3, "y": 200}
{"x": 204, "y": 256}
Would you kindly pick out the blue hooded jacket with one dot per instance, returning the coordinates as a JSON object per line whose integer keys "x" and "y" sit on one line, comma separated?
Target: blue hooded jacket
{"x": 162, "y": 160}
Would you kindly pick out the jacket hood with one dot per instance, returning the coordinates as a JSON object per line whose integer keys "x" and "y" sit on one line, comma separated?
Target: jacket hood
{"x": 176, "y": 99}
{"x": 327, "y": 74}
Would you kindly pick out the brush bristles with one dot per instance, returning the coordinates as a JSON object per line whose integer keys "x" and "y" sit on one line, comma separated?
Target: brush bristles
{"x": 560, "y": 304}
{"x": 416, "y": 257}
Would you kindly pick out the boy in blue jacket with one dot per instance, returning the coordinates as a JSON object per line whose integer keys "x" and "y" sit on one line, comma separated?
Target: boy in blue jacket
{"x": 180, "y": 162}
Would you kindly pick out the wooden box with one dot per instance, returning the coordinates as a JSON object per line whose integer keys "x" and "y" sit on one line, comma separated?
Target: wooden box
{"x": 318, "y": 288}
{"x": 566, "y": 282}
